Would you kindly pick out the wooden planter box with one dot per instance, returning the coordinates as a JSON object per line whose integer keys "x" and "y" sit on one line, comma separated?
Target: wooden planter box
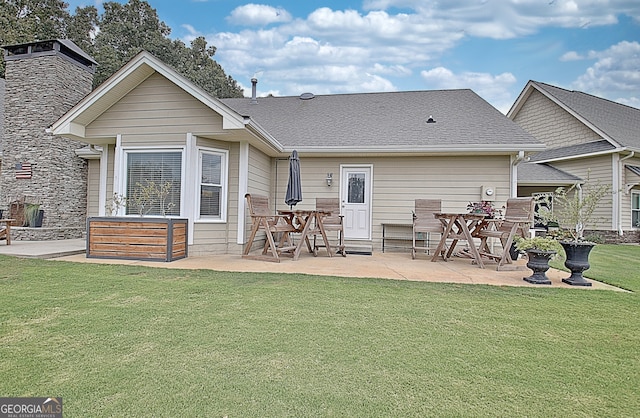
{"x": 150, "y": 239}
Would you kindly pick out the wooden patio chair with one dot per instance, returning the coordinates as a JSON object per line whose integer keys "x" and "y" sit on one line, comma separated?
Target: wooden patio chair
{"x": 518, "y": 219}
{"x": 263, "y": 220}
{"x": 424, "y": 222}
{"x": 331, "y": 223}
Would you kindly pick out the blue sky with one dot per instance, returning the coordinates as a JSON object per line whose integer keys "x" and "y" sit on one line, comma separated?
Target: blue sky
{"x": 490, "y": 46}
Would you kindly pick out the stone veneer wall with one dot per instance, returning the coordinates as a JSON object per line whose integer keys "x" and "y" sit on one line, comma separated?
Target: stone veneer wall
{"x": 39, "y": 90}
{"x": 612, "y": 237}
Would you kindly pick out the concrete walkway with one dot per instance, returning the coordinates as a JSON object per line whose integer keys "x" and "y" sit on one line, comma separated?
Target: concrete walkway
{"x": 395, "y": 265}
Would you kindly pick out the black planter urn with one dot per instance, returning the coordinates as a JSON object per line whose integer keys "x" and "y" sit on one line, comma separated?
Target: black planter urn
{"x": 577, "y": 261}
{"x": 539, "y": 263}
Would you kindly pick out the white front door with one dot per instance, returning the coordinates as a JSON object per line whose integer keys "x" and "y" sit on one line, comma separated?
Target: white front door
{"x": 355, "y": 192}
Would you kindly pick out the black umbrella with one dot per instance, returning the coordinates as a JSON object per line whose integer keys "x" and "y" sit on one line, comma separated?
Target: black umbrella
{"x": 294, "y": 187}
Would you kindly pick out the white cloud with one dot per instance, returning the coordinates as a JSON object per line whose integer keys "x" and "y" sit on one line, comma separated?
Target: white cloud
{"x": 383, "y": 46}
{"x": 258, "y": 15}
{"x": 571, "y": 56}
{"x": 615, "y": 73}
{"x": 495, "y": 89}
{"x": 631, "y": 101}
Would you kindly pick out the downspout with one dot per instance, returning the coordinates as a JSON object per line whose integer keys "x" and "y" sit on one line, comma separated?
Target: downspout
{"x": 514, "y": 174}
{"x": 617, "y": 191}
{"x": 579, "y": 228}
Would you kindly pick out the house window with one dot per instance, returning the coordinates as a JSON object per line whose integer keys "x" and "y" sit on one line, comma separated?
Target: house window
{"x": 213, "y": 171}
{"x": 146, "y": 169}
{"x": 635, "y": 210}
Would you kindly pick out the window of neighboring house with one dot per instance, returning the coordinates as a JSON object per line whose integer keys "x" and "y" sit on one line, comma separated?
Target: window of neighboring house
{"x": 542, "y": 200}
{"x": 635, "y": 209}
{"x": 149, "y": 169}
{"x": 213, "y": 180}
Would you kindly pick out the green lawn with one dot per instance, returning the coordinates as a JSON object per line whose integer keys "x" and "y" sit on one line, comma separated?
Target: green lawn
{"x": 133, "y": 341}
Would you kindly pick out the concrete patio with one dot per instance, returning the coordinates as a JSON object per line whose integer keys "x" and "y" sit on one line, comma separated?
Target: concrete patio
{"x": 389, "y": 265}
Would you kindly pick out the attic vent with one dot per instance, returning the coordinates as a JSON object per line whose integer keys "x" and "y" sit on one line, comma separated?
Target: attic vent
{"x": 307, "y": 96}
{"x": 431, "y": 119}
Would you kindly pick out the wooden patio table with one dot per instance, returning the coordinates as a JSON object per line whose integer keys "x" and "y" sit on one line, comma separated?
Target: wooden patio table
{"x": 7, "y": 231}
{"x": 457, "y": 227}
{"x": 307, "y": 222}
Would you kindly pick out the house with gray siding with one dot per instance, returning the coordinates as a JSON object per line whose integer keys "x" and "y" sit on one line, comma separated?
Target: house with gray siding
{"x": 587, "y": 137}
{"x": 147, "y": 120}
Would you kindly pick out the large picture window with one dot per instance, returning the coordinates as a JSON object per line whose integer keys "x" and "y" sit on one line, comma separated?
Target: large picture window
{"x": 149, "y": 170}
{"x": 213, "y": 169}
{"x": 635, "y": 210}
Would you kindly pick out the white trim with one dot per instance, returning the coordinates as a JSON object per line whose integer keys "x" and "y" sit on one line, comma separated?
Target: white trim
{"x": 224, "y": 180}
{"x": 117, "y": 166}
{"x": 190, "y": 158}
{"x": 632, "y": 193}
{"x": 155, "y": 149}
{"x": 243, "y": 187}
{"x": 577, "y": 156}
{"x": 370, "y": 194}
{"x": 102, "y": 188}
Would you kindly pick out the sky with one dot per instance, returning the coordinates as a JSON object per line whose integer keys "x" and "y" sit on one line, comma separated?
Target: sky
{"x": 493, "y": 47}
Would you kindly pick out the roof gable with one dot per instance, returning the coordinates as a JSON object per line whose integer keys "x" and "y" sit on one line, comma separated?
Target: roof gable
{"x": 132, "y": 74}
{"x": 617, "y": 123}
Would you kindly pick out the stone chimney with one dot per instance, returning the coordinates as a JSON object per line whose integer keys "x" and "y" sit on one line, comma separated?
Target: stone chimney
{"x": 44, "y": 80}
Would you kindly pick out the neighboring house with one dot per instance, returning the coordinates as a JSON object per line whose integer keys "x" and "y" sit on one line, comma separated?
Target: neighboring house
{"x": 147, "y": 121}
{"x": 586, "y": 137}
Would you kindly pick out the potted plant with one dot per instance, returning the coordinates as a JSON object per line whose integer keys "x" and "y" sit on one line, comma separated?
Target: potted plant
{"x": 484, "y": 207}
{"x": 540, "y": 250}
{"x": 573, "y": 210}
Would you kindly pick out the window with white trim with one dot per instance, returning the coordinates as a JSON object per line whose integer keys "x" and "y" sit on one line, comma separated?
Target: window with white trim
{"x": 148, "y": 170}
{"x": 212, "y": 185}
{"x": 635, "y": 209}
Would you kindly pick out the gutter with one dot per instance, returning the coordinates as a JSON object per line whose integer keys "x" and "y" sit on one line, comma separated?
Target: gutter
{"x": 573, "y": 157}
{"x": 262, "y": 133}
{"x": 411, "y": 150}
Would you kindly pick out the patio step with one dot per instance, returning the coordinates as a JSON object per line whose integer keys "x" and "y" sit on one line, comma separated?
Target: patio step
{"x": 359, "y": 248}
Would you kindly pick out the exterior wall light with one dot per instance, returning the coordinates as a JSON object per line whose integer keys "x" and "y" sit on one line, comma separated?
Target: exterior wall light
{"x": 329, "y": 179}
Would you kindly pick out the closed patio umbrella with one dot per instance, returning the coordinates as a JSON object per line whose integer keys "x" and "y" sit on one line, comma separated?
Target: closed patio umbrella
{"x": 294, "y": 187}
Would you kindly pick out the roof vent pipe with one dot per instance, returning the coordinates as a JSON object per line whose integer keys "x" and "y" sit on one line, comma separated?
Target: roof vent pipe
{"x": 254, "y": 83}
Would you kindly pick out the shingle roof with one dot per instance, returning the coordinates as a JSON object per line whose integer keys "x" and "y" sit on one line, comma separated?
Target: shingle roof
{"x": 531, "y": 173}
{"x": 573, "y": 150}
{"x": 619, "y": 122}
{"x": 392, "y": 120}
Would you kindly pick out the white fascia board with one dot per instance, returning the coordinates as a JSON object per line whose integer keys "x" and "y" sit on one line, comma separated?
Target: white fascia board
{"x": 579, "y": 156}
{"x": 260, "y": 133}
{"x": 70, "y": 129}
{"x": 585, "y": 122}
{"x": 522, "y": 98}
{"x": 439, "y": 149}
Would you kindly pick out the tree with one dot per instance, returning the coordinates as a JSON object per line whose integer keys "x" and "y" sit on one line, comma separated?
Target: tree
{"x": 113, "y": 38}
{"x": 127, "y": 29}
{"x": 29, "y": 20}
{"x": 81, "y": 28}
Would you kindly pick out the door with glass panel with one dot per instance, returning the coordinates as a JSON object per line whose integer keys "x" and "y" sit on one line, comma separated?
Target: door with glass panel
{"x": 355, "y": 190}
